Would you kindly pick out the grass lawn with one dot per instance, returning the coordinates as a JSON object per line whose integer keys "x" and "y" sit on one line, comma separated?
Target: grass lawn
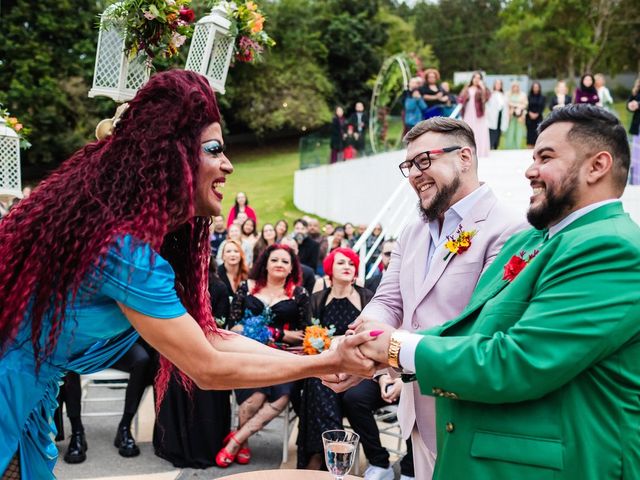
{"x": 265, "y": 174}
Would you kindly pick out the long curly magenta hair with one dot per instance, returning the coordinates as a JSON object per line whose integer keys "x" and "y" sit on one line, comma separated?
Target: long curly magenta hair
{"x": 140, "y": 181}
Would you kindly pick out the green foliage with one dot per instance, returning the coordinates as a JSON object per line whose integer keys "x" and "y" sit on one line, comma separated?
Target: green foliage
{"x": 462, "y": 33}
{"x": 281, "y": 93}
{"x": 354, "y": 37}
{"x": 47, "y": 51}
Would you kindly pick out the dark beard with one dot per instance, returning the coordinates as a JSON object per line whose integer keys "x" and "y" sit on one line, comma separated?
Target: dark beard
{"x": 556, "y": 204}
{"x": 440, "y": 203}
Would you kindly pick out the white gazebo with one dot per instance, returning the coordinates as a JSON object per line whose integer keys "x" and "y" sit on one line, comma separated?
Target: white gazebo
{"x": 211, "y": 48}
{"x": 10, "y": 181}
{"x": 115, "y": 75}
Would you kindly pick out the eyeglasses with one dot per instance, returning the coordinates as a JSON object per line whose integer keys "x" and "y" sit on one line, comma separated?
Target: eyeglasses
{"x": 386, "y": 254}
{"x": 422, "y": 161}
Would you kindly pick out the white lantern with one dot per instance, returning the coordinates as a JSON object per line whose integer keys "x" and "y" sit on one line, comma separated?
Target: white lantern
{"x": 211, "y": 48}
{"x": 10, "y": 182}
{"x": 116, "y": 76}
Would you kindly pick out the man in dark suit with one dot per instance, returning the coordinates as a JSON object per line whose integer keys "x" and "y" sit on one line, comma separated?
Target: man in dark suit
{"x": 308, "y": 249}
{"x": 373, "y": 282}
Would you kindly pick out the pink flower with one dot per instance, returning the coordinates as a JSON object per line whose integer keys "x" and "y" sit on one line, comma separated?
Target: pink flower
{"x": 149, "y": 16}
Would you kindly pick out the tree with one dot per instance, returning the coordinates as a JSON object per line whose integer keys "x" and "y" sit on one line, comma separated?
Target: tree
{"x": 461, "y": 32}
{"x": 47, "y": 50}
{"x": 290, "y": 88}
{"x": 566, "y": 37}
{"x": 354, "y": 37}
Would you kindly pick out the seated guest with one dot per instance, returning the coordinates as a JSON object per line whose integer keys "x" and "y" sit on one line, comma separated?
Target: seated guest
{"x": 274, "y": 293}
{"x": 191, "y": 426}
{"x": 308, "y": 275}
{"x": 218, "y": 234}
{"x": 233, "y": 270}
{"x": 282, "y": 227}
{"x": 336, "y": 306}
{"x": 267, "y": 237}
{"x": 308, "y": 250}
{"x": 137, "y": 362}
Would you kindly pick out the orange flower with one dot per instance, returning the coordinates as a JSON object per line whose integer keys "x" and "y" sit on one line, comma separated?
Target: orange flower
{"x": 314, "y": 336}
{"x": 17, "y": 127}
{"x": 251, "y": 6}
{"x": 257, "y": 24}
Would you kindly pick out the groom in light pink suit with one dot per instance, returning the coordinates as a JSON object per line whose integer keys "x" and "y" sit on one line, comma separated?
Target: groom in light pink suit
{"x": 438, "y": 259}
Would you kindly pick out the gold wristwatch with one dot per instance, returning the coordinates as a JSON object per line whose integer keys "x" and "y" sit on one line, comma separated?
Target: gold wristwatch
{"x": 395, "y": 343}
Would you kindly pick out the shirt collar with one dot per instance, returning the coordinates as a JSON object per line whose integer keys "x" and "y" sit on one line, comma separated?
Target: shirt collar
{"x": 572, "y": 217}
{"x": 455, "y": 214}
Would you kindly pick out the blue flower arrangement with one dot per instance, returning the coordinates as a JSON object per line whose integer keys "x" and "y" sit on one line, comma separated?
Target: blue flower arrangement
{"x": 256, "y": 326}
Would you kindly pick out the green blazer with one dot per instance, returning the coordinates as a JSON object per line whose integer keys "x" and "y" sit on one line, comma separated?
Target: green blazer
{"x": 539, "y": 377}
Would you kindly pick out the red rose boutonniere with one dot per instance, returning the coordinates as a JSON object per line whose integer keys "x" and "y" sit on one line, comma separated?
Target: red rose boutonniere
{"x": 516, "y": 264}
{"x": 459, "y": 242}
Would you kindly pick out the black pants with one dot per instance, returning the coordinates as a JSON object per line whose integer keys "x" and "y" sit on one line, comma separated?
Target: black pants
{"x": 358, "y": 404}
{"x": 494, "y": 135}
{"x": 137, "y": 362}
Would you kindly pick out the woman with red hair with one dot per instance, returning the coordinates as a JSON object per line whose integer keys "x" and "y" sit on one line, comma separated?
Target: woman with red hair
{"x": 274, "y": 292}
{"x": 115, "y": 244}
{"x": 337, "y": 307}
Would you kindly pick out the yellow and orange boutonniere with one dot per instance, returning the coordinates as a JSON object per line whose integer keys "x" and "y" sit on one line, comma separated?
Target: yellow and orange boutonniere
{"x": 317, "y": 338}
{"x": 459, "y": 242}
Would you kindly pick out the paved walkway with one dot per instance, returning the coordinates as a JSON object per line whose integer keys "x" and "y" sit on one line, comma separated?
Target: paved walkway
{"x": 104, "y": 463}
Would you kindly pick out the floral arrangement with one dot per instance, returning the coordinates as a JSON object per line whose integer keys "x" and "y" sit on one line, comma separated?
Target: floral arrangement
{"x": 516, "y": 264}
{"x": 14, "y": 124}
{"x": 152, "y": 26}
{"x": 256, "y": 327}
{"x": 247, "y": 24}
{"x": 317, "y": 338}
{"x": 459, "y": 242}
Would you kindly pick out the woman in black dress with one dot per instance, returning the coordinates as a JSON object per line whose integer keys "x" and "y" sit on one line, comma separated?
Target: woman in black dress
{"x": 275, "y": 289}
{"x": 337, "y": 306}
{"x": 190, "y": 428}
{"x": 534, "y": 113}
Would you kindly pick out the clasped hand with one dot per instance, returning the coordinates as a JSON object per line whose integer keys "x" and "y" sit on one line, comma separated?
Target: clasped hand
{"x": 355, "y": 348}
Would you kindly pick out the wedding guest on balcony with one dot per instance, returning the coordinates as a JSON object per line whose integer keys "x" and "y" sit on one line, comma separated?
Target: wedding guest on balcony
{"x": 633, "y": 105}
{"x": 241, "y": 204}
{"x": 338, "y": 132}
{"x": 605, "y": 100}
{"x": 281, "y": 305}
{"x": 561, "y": 97}
{"x": 535, "y": 106}
{"x": 473, "y": 99}
{"x": 517, "y": 110}
{"x": 586, "y": 91}
{"x": 497, "y": 114}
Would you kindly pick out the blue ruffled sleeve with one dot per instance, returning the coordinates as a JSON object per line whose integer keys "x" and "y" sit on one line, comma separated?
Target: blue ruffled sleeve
{"x": 141, "y": 279}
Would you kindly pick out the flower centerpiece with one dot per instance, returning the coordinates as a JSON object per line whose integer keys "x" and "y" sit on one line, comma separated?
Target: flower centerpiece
{"x": 152, "y": 26}
{"x": 317, "y": 338}
{"x": 14, "y": 124}
{"x": 247, "y": 25}
{"x": 256, "y": 327}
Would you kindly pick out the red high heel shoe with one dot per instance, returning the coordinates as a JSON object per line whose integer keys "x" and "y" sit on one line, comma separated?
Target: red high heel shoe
{"x": 243, "y": 456}
{"x": 224, "y": 458}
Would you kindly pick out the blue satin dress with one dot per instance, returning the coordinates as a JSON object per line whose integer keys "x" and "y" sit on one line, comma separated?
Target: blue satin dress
{"x": 94, "y": 335}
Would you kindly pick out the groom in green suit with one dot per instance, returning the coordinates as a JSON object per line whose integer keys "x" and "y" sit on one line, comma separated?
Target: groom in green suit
{"x": 539, "y": 377}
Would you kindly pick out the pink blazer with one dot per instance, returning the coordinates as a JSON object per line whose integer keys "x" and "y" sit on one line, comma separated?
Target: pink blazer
{"x": 413, "y": 299}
